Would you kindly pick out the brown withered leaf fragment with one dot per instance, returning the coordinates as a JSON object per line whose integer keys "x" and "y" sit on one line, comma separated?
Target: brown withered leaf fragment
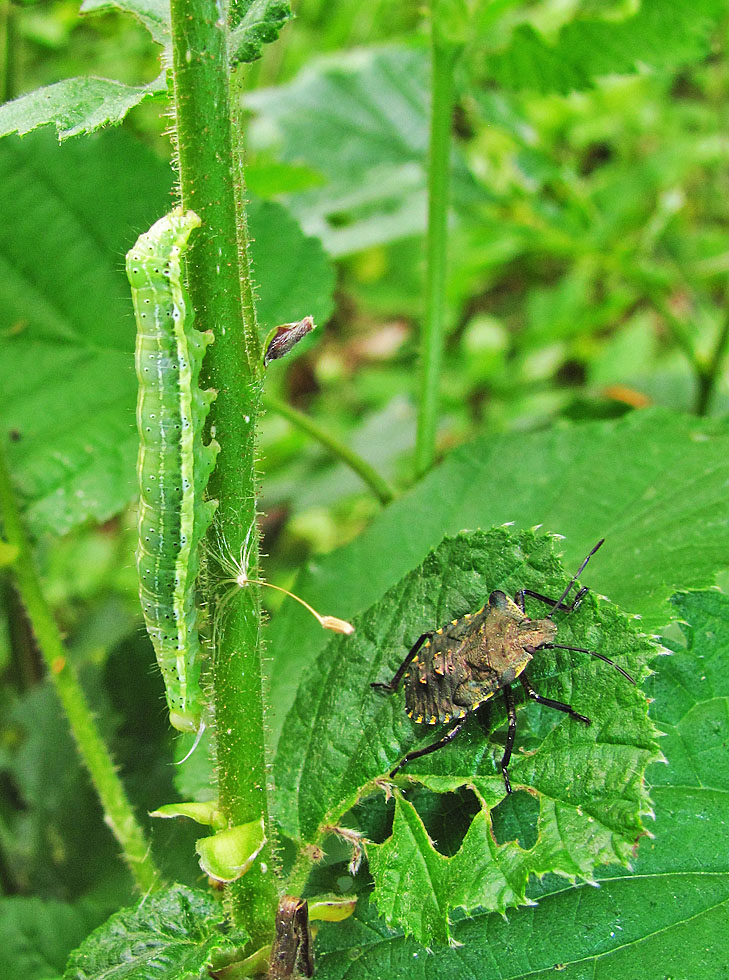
{"x": 283, "y": 338}
{"x": 291, "y": 955}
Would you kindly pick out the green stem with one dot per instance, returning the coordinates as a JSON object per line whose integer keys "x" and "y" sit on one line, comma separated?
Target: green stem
{"x": 708, "y": 374}
{"x": 299, "y": 874}
{"x": 94, "y": 753}
{"x": 444, "y": 57}
{"x": 211, "y": 177}
{"x": 678, "y": 330}
{"x": 379, "y": 486}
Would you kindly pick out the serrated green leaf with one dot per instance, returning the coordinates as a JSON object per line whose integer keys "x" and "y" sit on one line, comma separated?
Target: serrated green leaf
{"x": 659, "y": 34}
{"x": 154, "y": 15}
{"x": 76, "y": 105}
{"x": 70, "y": 212}
{"x": 667, "y": 918}
{"x": 360, "y": 119}
{"x": 256, "y": 22}
{"x": 171, "y": 935}
{"x": 653, "y": 484}
{"x": 341, "y": 735}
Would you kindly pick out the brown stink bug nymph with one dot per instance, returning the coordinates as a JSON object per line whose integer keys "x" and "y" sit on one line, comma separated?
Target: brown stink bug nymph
{"x": 452, "y": 671}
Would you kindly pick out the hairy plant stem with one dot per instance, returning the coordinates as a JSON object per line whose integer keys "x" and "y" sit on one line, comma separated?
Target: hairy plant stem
{"x": 379, "y": 486}
{"x": 444, "y": 58}
{"x": 211, "y": 177}
{"x": 96, "y": 757}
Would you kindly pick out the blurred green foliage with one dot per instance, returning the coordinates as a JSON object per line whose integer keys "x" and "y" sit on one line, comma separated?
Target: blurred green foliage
{"x": 588, "y": 272}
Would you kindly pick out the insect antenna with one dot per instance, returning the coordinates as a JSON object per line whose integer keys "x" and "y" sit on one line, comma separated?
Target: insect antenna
{"x": 574, "y": 578}
{"x": 561, "y": 646}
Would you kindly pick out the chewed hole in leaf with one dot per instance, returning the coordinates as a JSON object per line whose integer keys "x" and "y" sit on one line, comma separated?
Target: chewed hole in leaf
{"x": 585, "y": 787}
{"x": 446, "y": 816}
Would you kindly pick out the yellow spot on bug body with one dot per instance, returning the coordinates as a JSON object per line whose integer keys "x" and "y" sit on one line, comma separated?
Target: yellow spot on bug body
{"x": 447, "y": 718}
{"x": 409, "y": 714}
{"x": 454, "y": 622}
{"x": 433, "y": 720}
{"x": 426, "y": 644}
{"x": 418, "y": 720}
{"x": 439, "y": 631}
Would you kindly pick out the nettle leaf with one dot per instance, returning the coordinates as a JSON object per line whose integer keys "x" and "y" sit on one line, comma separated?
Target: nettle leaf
{"x": 653, "y": 484}
{"x": 671, "y": 910}
{"x": 341, "y": 735}
{"x": 71, "y": 212}
{"x": 87, "y": 103}
{"x": 171, "y": 935}
{"x": 154, "y": 15}
{"x": 76, "y": 105}
{"x": 659, "y": 34}
{"x": 360, "y": 119}
{"x": 256, "y": 22}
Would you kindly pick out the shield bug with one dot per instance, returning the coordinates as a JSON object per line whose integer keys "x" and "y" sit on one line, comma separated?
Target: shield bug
{"x": 452, "y": 671}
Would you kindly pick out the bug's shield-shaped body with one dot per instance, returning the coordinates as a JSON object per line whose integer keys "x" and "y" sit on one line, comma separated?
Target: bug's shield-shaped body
{"x": 467, "y": 662}
{"x": 173, "y": 465}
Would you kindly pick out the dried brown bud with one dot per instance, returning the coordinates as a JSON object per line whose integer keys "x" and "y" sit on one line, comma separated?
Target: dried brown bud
{"x": 282, "y": 338}
{"x": 336, "y": 625}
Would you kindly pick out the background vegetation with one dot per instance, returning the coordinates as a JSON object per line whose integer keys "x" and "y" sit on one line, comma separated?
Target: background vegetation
{"x": 583, "y": 388}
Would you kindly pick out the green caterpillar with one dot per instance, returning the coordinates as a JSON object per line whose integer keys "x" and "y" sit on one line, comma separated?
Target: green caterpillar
{"x": 173, "y": 465}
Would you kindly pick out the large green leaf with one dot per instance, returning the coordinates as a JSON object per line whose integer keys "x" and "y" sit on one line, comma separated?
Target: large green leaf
{"x": 154, "y": 15}
{"x": 653, "y": 484}
{"x": 172, "y": 935}
{"x": 361, "y": 120}
{"x": 67, "y": 329}
{"x": 341, "y": 735}
{"x": 658, "y": 34}
{"x": 76, "y": 105}
{"x": 668, "y": 917}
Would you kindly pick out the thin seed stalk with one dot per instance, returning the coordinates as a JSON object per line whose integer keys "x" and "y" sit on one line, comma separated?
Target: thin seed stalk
{"x": 220, "y": 287}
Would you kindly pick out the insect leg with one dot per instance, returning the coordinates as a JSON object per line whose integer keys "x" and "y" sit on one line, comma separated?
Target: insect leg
{"x": 395, "y": 682}
{"x": 511, "y": 711}
{"x": 448, "y": 737}
{"x": 557, "y": 705}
